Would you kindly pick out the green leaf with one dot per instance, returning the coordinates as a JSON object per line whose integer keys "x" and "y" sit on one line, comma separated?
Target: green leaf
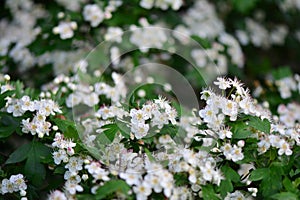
{"x": 282, "y": 72}
{"x": 230, "y": 174}
{"x": 225, "y": 187}
{"x": 209, "y": 193}
{"x": 59, "y": 170}
{"x": 3, "y": 96}
{"x": 34, "y": 152}
{"x": 240, "y": 130}
{"x": 272, "y": 182}
{"x": 8, "y": 125}
{"x": 20, "y": 154}
{"x": 110, "y": 131}
{"x": 111, "y": 187}
{"x": 67, "y": 127}
{"x": 285, "y": 196}
{"x": 262, "y": 125}
{"x": 6, "y": 131}
{"x": 34, "y": 170}
{"x": 244, "y": 6}
{"x": 148, "y": 153}
{"x": 288, "y": 185}
{"x": 259, "y": 174}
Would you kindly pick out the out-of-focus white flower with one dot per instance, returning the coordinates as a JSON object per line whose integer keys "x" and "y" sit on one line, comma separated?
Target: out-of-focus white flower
{"x": 93, "y": 14}
{"x": 65, "y": 29}
{"x": 114, "y": 34}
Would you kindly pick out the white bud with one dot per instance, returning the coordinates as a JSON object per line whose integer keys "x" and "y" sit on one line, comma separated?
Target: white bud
{"x": 85, "y": 177}
{"x": 241, "y": 143}
{"x": 55, "y": 128}
{"x": 74, "y": 25}
{"x": 23, "y": 193}
{"x": 167, "y": 87}
{"x": 141, "y": 93}
{"x": 60, "y": 15}
{"x": 86, "y": 161}
{"x": 6, "y": 77}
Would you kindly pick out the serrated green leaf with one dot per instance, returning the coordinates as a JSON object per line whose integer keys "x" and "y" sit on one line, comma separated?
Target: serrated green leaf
{"x": 257, "y": 123}
{"x": 59, "y": 170}
{"x": 244, "y": 6}
{"x": 296, "y": 182}
{"x": 111, "y": 187}
{"x": 230, "y": 174}
{"x": 3, "y": 96}
{"x": 285, "y": 196}
{"x": 271, "y": 183}
{"x": 34, "y": 170}
{"x": 110, "y": 131}
{"x": 148, "y": 153}
{"x": 225, "y": 187}
{"x": 259, "y": 174}
{"x": 282, "y": 72}
{"x": 67, "y": 127}
{"x": 208, "y": 193}
{"x": 288, "y": 185}
{"x": 240, "y": 130}
{"x": 20, "y": 154}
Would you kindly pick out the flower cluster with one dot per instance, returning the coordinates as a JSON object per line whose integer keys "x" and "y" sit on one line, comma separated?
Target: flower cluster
{"x": 64, "y": 153}
{"x": 158, "y": 113}
{"x": 15, "y": 183}
{"x": 218, "y": 107}
{"x": 156, "y": 179}
{"x": 83, "y": 94}
{"x": 42, "y": 109}
{"x": 164, "y": 5}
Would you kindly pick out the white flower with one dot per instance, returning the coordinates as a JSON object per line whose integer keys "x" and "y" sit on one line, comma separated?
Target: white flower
{"x": 222, "y": 83}
{"x": 114, "y": 34}
{"x": 91, "y": 99}
{"x": 247, "y": 105}
{"x": 65, "y": 29}
{"x": 236, "y": 154}
{"x": 148, "y": 4}
{"x": 154, "y": 182}
{"x": 224, "y": 133}
{"x": 74, "y": 99}
{"x": 263, "y": 146}
{"x": 207, "y": 171}
{"x": 237, "y": 195}
{"x": 15, "y": 107}
{"x": 142, "y": 191}
{"x": 59, "y": 156}
{"x": 72, "y": 187}
{"x": 208, "y": 114}
{"x": 230, "y": 108}
{"x": 18, "y": 181}
{"x": 140, "y": 130}
{"x": 92, "y": 167}
{"x": 284, "y": 148}
{"x": 160, "y": 119}
{"x": 100, "y": 174}
{"x": 57, "y": 195}
{"x": 131, "y": 177}
{"x": 7, "y": 186}
{"x": 115, "y": 55}
{"x": 74, "y": 164}
{"x": 27, "y": 104}
{"x": 93, "y": 14}
{"x": 138, "y": 116}
{"x": 227, "y": 150}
